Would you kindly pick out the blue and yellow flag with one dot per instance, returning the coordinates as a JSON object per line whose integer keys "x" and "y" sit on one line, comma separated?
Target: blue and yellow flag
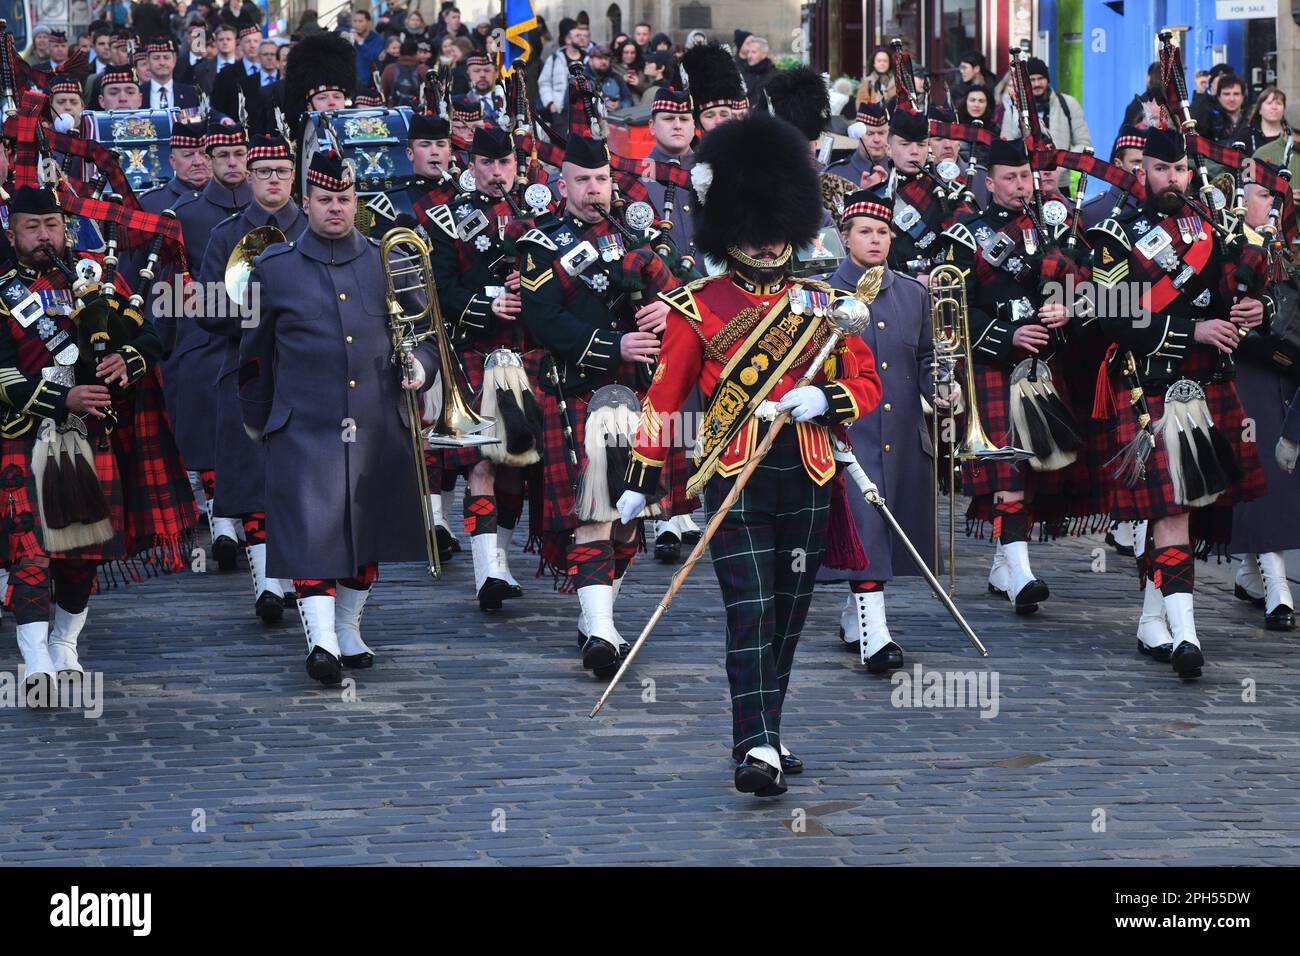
{"x": 520, "y": 21}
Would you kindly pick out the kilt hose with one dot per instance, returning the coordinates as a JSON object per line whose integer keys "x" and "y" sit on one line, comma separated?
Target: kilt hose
{"x": 1152, "y": 497}
{"x": 1054, "y": 496}
{"x": 766, "y": 553}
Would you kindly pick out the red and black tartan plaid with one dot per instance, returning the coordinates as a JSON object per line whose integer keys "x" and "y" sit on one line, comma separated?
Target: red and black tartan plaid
{"x": 962, "y": 131}
{"x": 1153, "y": 498}
{"x": 159, "y": 502}
{"x": 439, "y": 195}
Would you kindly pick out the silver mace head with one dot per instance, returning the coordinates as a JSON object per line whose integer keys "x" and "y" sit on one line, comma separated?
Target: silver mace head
{"x": 850, "y": 314}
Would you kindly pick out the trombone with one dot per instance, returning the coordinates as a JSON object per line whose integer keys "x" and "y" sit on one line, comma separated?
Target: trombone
{"x": 950, "y": 326}
{"x": 413, "y": 316}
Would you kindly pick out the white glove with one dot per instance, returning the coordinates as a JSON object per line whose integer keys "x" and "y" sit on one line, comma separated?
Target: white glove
{"x": 1286, "y": 453}
{"x": 630, "y": 505}
{"x": 414, "y": 379}
{"x": 804, "y": 403}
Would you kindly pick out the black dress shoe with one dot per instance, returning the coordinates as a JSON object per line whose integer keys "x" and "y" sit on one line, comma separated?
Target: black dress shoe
{"x": 999, "y": 592}
{"x": 1030, "y": 596}
{"x": 225, "y": 551}
{"x": 792, "y": 765}
{"x": 492, "y": 593}
{"x": 1160, "y": 653}
{"x": 270, "y": 607}
{"x": 599, "y": 653}
{"x": 1187, "y": 660}
{"x": 692, "y": 538}
{"x": 1241, "y": 594}
{"x": 446, "y": 543}
{"x": 358, "y": 662}
{"x": 515, "y": 591}
{"x": 1281, "y": 618}
{"x": 324, "y": 667}
{"x": 668, "y": 549}
{"x": 756, "y": 777}
{"x": 609, "y": 670}
{"x": 1124, "y": 549}
{"x": 888, "y": 658}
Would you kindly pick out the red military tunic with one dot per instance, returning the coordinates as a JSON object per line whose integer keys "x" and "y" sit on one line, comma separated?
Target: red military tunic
{"x": 700, "y": 312}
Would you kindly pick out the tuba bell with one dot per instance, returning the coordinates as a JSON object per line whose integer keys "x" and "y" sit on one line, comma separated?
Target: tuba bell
{"x": 239, "y": 265}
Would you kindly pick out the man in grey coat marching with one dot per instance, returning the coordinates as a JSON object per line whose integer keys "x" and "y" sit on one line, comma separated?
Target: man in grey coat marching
{"x": 240, "y": 462}
{"x": 892, "y": 445}
{"x": 318, "y": 386}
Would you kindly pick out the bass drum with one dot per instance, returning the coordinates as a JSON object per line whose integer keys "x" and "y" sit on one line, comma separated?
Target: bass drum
{"x": 140, "y": 138}
{"x": 373, "y": 141}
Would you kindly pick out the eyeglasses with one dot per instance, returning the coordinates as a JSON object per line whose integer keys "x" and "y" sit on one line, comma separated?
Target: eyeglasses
{"x": 265, "y": 173}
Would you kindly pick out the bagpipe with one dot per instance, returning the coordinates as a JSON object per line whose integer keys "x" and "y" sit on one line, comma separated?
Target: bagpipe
{"x": 944, "y": 178}
{"x": 1201, "y": 462}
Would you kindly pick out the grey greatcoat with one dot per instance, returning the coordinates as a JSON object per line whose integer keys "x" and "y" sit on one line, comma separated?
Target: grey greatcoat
{"x": 892, "y": 443}
{"x": 1270, "y": 523}
{"x": 240, "y": 461}
{"x": 195, "y": 360}
{"x": 683, "y": 231}
{"x": 317, "y": 384}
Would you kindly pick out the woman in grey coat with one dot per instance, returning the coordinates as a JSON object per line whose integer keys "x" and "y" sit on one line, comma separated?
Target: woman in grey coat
{"x": 893, "y": 444}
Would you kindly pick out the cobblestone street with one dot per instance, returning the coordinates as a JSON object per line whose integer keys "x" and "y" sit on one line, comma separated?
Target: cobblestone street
{"x": 469, "y": 743}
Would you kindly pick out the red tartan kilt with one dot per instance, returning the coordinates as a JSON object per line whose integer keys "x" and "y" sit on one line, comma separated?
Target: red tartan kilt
{"x": 1153, "y": 497}
{"x": 560, "y": 475}
{"x": 22, "y": 536}
{"x": 1057, "y": 495}
{"x": 472, "y": 362}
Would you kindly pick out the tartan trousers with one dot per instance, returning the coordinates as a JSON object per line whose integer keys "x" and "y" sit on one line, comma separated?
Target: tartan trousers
{"x": 766, "y": 554}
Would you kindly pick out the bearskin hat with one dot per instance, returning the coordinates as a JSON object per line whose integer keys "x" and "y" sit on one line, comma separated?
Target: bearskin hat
{"x": 321, "y": 59}
{"x": 756, "y": 183}
{"x": 800, "y": 97}
{"x": 711, "y": 76}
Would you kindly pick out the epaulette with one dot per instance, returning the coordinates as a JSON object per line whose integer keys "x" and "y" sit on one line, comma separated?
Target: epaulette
{"x": 1112, "y": 228}
{"x": 695, "y": 285}
{"x": 913, "y": 279}
{"x": 184, "y": 200}
{"x": 539, "y": 237}
{"x": 280, "y": 248}
{"x": 960, "y": 233}
{"x": 683, "y": 300}
{"x": 441, "y": 216}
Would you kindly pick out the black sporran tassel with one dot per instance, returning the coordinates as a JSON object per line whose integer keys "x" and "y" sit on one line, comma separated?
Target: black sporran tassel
{"x": 53, "y": 515}
{"x": 69, "y": 499}
{"x": 519, "y": 438}
{"x": 1223, "y": 452}
{"x": 1039, "y": 436}
{"x": 1065, "y": 431}
{"x": 1215, "y": 480}
{"x": 533, "y": 416}
{"x": 617, "y": 455}
{"x": 1193, "y": 481}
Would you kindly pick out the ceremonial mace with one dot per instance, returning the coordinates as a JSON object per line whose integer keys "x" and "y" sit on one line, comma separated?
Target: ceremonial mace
{"x": 849, "y": 315}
